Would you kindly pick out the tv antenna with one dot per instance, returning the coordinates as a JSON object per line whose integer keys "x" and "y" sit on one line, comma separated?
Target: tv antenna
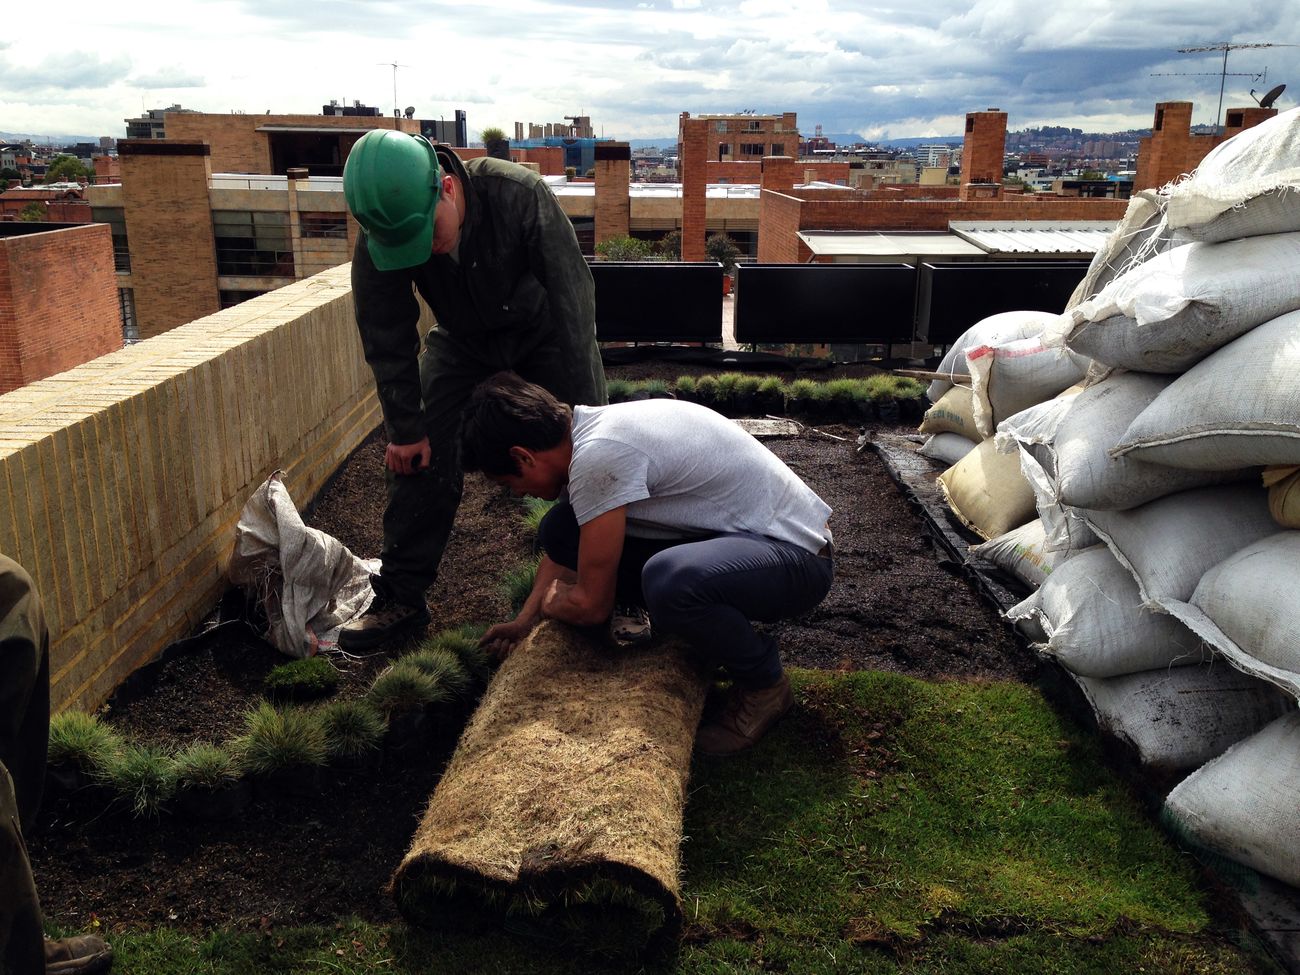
{"x": 1225, "y": 47}
{"x": 397, "y": 112}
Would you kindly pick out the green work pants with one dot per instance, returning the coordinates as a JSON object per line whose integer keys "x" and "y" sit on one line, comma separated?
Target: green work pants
{"x": 422, "y": 507}
{"x": 24, "y": 737}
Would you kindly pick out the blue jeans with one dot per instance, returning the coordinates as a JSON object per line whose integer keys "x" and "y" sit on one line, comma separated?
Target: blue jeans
{"x": 707, "y": 590}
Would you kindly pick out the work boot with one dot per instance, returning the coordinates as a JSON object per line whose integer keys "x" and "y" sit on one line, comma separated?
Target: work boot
{"x": 384, "y": 619}
{"x": 629, "y": 625}
{"x": 82, "y": 955}
{"x": 746, "y": 717}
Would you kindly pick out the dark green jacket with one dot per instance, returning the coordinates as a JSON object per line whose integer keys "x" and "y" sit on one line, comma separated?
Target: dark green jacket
{"x": 521, "y": 281}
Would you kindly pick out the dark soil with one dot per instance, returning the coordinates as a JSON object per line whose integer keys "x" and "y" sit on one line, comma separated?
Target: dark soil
{"x": 328, "y": 857}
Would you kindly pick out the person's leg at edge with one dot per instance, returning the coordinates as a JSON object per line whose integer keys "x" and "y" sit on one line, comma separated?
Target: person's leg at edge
{"x": 707, "y": 592}
{"x": 24, "y": 734}
{"x": 421, "y": 507}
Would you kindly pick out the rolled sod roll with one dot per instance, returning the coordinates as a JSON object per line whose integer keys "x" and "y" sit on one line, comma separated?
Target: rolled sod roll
{"x": 562, "y": 805}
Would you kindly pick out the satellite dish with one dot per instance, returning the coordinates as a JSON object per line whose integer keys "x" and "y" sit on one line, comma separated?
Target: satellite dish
{"x": 410, "y": 111}
{"x": 1268, "y": 100}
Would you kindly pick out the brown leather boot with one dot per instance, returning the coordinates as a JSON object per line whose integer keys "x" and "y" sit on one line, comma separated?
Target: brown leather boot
{"x": 747, "y": 716}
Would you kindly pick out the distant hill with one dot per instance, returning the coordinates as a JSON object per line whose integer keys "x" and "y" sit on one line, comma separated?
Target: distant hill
{"x": 933, "y": 140}
{"x": 47, "y": 139}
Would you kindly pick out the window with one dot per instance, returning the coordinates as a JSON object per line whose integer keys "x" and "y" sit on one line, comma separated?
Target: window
{"x": 753, "y": 125}
{"x": 778, "y": 148}
{"x": 126, "y": 308}
{"x": 720, "y": 126}
{"x": 724, "y": 150}
{"x": 751, "y": 148}
{"x": 332, "y": 226}
{"x": 116, "y": 220}
{"x": 253, "y": 243}
{"x": 229, "y": 299}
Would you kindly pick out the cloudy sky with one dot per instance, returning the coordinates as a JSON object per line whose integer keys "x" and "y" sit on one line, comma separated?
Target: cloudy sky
{"x": 889, "y": 69}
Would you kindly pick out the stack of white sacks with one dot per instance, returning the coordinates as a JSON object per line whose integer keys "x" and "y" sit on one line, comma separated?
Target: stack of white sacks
{"x": 1166, "y": 575}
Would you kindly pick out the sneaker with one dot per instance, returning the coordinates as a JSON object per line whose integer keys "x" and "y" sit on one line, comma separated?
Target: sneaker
{"x": 82, "y": 955}
{"x": 746, "y": 717}
{"x": 629, "y": 625}
{"x": 383, "y": 620}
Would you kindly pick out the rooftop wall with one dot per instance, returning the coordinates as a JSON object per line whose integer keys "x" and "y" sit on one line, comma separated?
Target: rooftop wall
{"x": 121, "y": 480}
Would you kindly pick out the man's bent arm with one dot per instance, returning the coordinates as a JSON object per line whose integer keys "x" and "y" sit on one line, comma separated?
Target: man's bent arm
{"x": 590, "y": 599}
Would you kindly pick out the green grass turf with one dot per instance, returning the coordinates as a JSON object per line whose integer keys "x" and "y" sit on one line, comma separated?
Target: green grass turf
{"x": 889, "y": 825}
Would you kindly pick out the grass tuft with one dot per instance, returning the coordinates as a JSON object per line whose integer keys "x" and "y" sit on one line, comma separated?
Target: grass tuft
{"x": 443, "y": 666}
{"x": 276, "y": 739}
{"x": 353, "y": 729}
{"x": 403, "y": 688}
{"x": 535, "y": 510}
{"x": 463, "y": 642}
{"x": 302, "y": 680}
{"x": 618, "y": 390}
{"x": 205, "y": 766}
{"x": 143, "y": 776}
{"x": 79, "y": 739}
{"x": 518, "y": 584}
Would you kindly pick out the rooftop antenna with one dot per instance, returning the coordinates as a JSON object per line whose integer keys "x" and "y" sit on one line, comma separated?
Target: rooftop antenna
{"x": 1225, "y": 47}
{"x": 1269, "y": 97}
{"x": 397, "y": 112}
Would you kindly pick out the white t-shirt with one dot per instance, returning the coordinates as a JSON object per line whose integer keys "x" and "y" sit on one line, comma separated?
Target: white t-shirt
{"x": 684, "y": 470}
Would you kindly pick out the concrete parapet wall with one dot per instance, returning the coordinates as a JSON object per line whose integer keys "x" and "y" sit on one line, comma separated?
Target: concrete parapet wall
{"x": 121, "y": 480}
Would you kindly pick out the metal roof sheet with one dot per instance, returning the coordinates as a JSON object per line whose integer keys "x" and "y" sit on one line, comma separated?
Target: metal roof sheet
{"x": 1075, "y": 237}
{"x": 898, "y": 245}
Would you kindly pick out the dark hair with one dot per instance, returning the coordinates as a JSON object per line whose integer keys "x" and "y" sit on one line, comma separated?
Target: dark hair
{"x": 504, "y": 412}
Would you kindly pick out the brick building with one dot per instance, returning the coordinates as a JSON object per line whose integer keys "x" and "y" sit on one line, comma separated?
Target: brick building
{"x": 1172, "y": 149}
{"x": 58, "y": 299}
{"x": 58, "y": 204}
{"x": 747, "y": 136}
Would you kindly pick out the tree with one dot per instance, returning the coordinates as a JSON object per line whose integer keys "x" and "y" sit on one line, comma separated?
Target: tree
{"x": 670, "y": 245}
{"x": 33, "y": 212}
{"x": 66, "y": 167}
{"x": 8, "y": 172}
{"x": 626, "y": 249}
{"x": 722, "y": 249}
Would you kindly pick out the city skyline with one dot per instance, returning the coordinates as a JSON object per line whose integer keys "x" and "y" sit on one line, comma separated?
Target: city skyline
{"x": 894, "y": 72}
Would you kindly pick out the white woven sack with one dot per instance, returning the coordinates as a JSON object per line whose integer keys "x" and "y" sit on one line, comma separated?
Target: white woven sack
{"x": 1243, "y": 804}
{"x": 953, "y": 413}
{"x": 1005, "y": 326}
{"x": 987, "y": 492}
{"x": 1178, "y": 719}
{"x": 1246, "y": 607}
{"x": 1096, "y": 625}
{"x": 1274, "y": 212}
{"x": 1014, "y": 376}
{"x": 1169, "y": 543}
{"x": 1023, "y": 553}
{"x": 1263, "y": 158}
{"x": 1140, "y": 235}
{"x": 1168, "y": 313}
{"x": 946, "y": 448}
{"x": 1085, "y": 475}
{"x": 1238, "y": 408}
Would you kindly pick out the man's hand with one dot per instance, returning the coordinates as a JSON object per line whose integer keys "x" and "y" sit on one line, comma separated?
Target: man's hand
{"x": 408, "y": 458}
{"x": 500, "y": 640}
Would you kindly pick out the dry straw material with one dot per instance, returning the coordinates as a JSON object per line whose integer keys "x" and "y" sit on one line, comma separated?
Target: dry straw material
{"x": 562, "y": 806}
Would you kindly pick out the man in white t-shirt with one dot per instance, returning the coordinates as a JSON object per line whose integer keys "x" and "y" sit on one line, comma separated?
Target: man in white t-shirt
{"x": 670, "y": 506}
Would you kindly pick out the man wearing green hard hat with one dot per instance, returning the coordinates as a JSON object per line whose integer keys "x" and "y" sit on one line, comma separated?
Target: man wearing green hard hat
{"x": 485, "y": 245}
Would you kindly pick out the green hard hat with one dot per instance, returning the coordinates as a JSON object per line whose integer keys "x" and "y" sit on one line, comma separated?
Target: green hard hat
{"x": 392, "y": 182}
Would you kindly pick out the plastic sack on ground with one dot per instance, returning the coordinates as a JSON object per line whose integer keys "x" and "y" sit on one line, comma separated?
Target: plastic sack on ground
{"x": 987, "y": 492}
{"x": 953, "y": 413}
{"x": 1243, "y": 804}
{"x": 308, "y": 582}
{"x": 1178, "y": 719}
{"x": 1023, "y": 553}
{"x": 1168, "y": 313}
{"x": 1243, "y": 187}
{"x": 946, "y": 448}
{"x": 1238, "y": 408}
{"x": 1247, "y": 608}
{"x": 1096, "y": 625}
{"x": 1016, "y": 375}
{"x": 1003, "y": 327}
{"x": 1169, "y": 543}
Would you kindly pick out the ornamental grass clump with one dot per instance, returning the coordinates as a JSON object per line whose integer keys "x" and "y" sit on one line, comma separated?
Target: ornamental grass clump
{"x": 685, "y": 389}
{"x": 276, "y": 740}
{"x": 354, "y": 730}
{"x": 142, "y": 776}
{"x": 799, "y": 396}
{"x": 463, "y": 641}
{"x": 518, "y": 584}
{"x": 535, "y": 510}
{"x": 618, "y": 390}
{"x": 302, "y": 680}
{"x": 771, "y": 395}
{"x": 706, "y": 390}
{"x": 403, "y": 687}
{"x": 443, "y": 666}
{"x": 79, "y": 741}
{"x": 207, "y": 767}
